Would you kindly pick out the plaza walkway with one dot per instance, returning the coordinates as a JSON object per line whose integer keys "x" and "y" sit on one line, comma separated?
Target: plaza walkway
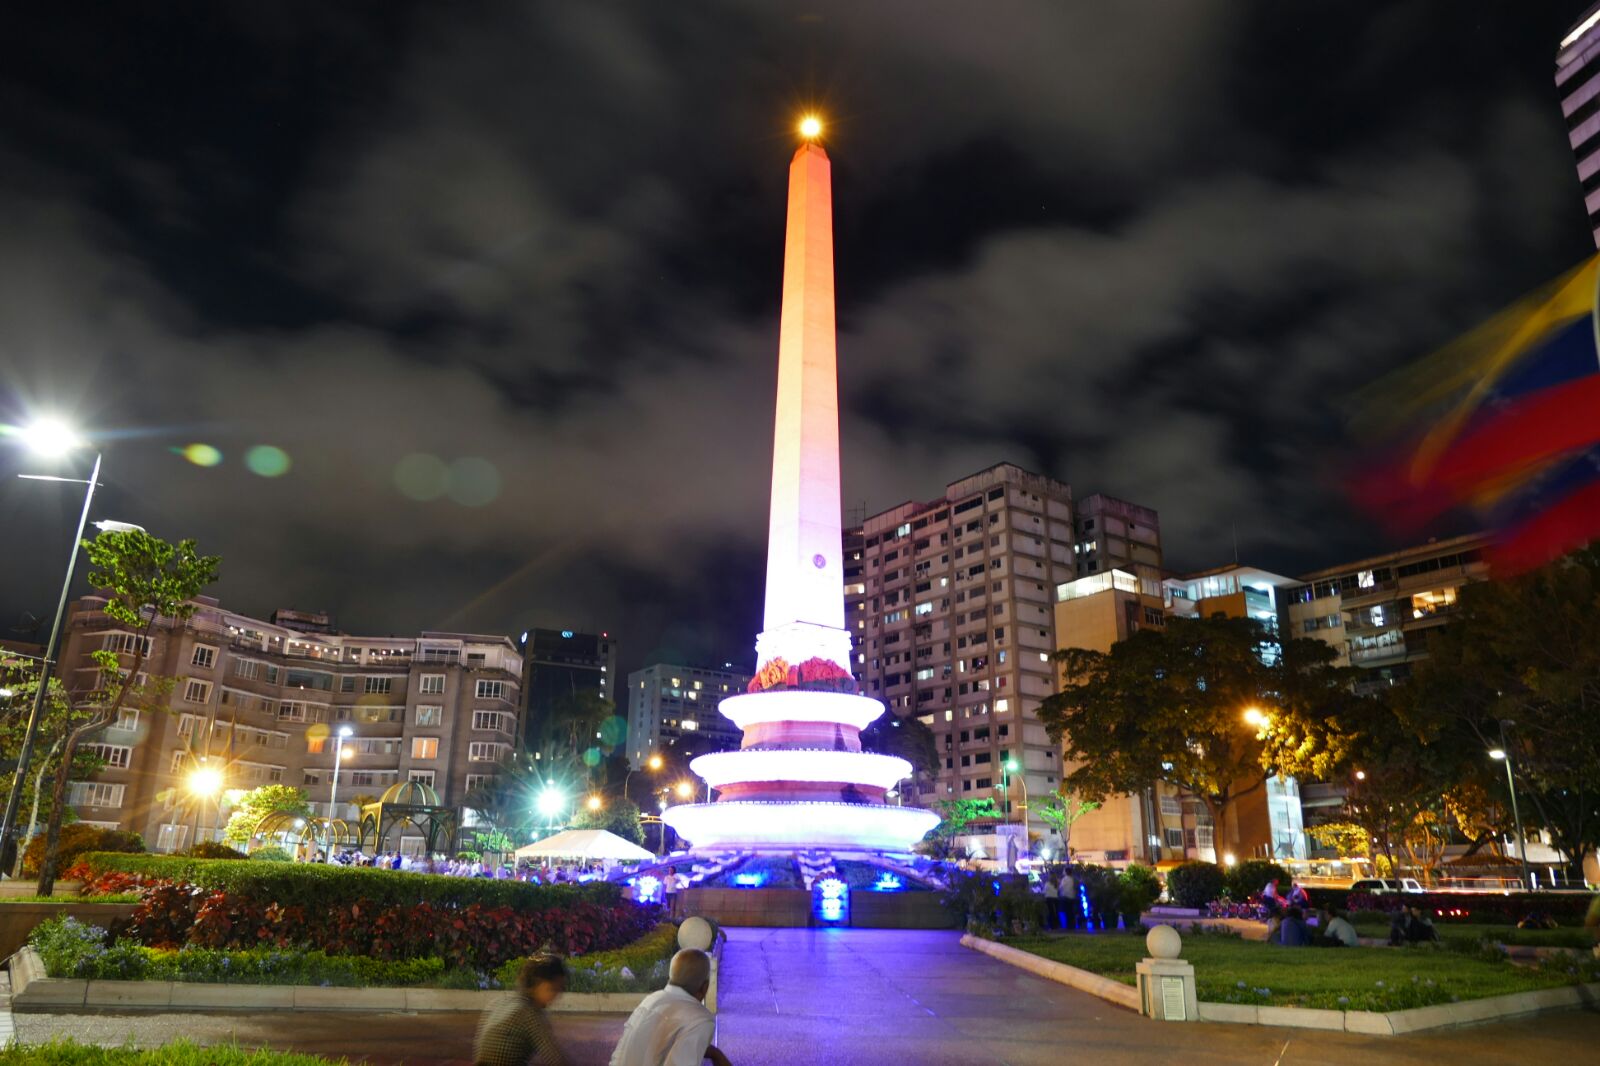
{"x": 843, "y": 997}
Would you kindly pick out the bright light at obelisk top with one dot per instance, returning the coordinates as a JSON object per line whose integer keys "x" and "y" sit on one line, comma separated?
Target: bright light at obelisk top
{"x": 800, "y": 779}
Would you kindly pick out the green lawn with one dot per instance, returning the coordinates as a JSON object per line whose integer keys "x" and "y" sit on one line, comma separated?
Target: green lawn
{"x": 1566, "y": 937}
{"x": 181, "y": 1053}
{"x": 1229, "y": 970}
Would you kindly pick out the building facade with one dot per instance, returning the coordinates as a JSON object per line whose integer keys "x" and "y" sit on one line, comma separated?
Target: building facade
{"x": 1576, "y": 83}
{"x": 261, "y": 701}
{"x": 559, "y": 665}
{"x": 672, "y": 711}
{"x": 949, "y": 605}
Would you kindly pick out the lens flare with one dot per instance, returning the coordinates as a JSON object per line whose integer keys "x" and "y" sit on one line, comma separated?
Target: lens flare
{"x": 201, "y": 454}
{"x": 422, "y": 477}
{"x": 474, "y": 482}
{"x": 267, "y": 460}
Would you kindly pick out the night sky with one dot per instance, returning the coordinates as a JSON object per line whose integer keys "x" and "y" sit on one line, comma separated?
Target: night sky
{"x": 522, "y": 262}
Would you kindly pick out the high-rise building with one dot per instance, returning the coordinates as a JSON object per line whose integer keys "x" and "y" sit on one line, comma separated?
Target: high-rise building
{"x": 560, "y": 665}
{"x": 263, "y": 701}
{"x": 1579, "y": 89}
{"x": 1115, "y": 534}
{"x": 672, "y": 710}
{"x": 949, "y": 602}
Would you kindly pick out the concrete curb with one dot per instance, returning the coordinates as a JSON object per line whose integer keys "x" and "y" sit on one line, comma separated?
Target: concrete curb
{"x": 1369, "y": 1023}
{"x": 1084, "y": 981}
{"x": 33, "y": 992}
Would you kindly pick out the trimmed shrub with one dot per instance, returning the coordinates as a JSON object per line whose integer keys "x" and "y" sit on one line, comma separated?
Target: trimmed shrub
{"x": 1194, "y": 884}
{"x": 76, "y": 841}
{"x": 210, "y": 849}
{"x": 323, "y": 885}
{"x": 1248, "y": 878}
{"x": 1137, "y": 888}
{"x": 271, "y": 853}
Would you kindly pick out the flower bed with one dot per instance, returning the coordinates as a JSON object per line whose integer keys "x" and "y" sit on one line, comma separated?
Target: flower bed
{"x": 639, "y": 967}
{"x": 470, "y": 924}
{"x": 178, "y": 1053}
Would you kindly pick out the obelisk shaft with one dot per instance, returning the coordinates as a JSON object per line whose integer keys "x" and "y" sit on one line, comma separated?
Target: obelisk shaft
{"x": 804, "y": 576}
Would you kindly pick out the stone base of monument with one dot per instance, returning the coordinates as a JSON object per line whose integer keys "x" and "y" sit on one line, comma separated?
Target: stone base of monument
{"x": 1166, "y": 982}
{"x": 793, "y": 908}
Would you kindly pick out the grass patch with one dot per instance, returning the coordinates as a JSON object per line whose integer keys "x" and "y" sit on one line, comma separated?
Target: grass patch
{"x": 1228, "y": 970}
{"x": 1565, "y": 937}
{"x": 110, "y": 897}
{"x": 179, "y": 1053}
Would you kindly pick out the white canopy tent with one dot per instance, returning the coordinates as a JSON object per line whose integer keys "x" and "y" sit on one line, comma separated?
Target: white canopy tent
{"x": 593, "y": 844}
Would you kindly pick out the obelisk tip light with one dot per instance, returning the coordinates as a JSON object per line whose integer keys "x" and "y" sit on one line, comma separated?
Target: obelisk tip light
{"x": 811, "y": 127}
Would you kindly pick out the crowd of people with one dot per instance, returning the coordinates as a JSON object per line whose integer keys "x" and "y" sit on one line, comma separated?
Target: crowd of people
{"x": 672, "y": 1027}
{"x": 546, "y": 873}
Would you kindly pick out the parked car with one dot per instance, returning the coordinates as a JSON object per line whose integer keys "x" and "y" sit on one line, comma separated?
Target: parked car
{"x": 1379, "y": 886}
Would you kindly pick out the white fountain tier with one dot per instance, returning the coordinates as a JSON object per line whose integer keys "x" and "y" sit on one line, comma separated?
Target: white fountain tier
{"x": 860, "y": 768}
{"x": 789, "y": 825}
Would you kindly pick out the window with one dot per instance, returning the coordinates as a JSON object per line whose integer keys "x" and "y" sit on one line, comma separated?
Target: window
{"x": 378, "y": 686}
{"x": 316, "y": 745}
{"x": 95, "y": 794}
{"x": 483, "y": 751}
{"x": 422, "y": 777}
{"x": 127, "y": 718}
{"x": 181, "y": 762}
{"x": 292, "y": 711}
{"x": 172, "y": 837}
{"x": 432, "y": 684}
{"x": 1173, "y": 837}
{"x": 476, "y": 782}
{"x": 1171, "y": 807}
{"x": 424, "y": 747}
{"x": 127, "y": 644}
{"x": 498, "y": 721}
{"x": 348, "y": 683}
{"x": 312, "y": 777}
{"x": 491, "y": 690}
{"x": 115, "y": 755}
{"x": 195, "y": 691}
{"x": 430, "y": 715}
{"x": 204, "y": 656}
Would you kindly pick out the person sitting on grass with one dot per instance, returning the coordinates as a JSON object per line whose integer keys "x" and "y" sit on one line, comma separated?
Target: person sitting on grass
{"x": 1335, "y": 930}
{"x": 1410, "y": 926}
{"x": 515, "y": 1031}
{"x": 1293, "y": 931}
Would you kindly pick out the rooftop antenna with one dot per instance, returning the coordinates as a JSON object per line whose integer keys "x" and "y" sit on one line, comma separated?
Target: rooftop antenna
{"x": 1236, "y": 544}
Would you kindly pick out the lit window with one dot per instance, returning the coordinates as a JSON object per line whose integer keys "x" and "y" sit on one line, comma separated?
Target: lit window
{"x": 424, "y": 747}
{"x": 429, "y": 715}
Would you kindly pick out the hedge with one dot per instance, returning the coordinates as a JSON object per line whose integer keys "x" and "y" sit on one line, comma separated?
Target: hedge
{"x": 178, "y": 1053}
{"x": 78, "y": 840}
{"x": 1247, "y": 879}
{"x": 1195, "y": 883}
{"x": 1492, "y": 908}
{"x": 322, "y": 885}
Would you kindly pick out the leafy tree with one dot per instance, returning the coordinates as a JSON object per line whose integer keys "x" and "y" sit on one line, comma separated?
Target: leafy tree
{"x": 956, "y": 814}
{"x": 249, "y": 808}
{"x": 1169, "y": 704}
{"x": 79, "y": 839}
{"x": 1346, "y": 839}
{"x": 492, "y": 840}
{"x": 618, "y": 816}
{"x": 906, "y": 737}
{"x": 143, "y": 580}
{"x": 21, "y": 677}
{"x": 1059, "y": 811}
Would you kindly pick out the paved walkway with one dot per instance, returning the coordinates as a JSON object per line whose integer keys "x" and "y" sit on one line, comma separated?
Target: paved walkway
{"x": 861, "y": 997}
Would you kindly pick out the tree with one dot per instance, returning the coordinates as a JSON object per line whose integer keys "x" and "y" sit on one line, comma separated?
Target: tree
{"x": 907, "y": 738}
{"x": 143, "y": 579}
{"x": 21, "y": 677}
{"x": 956, "y": 814}
{"x": 1346, "y": 839}
{"x": 618, "y": 816}
{"x": 1167, "y": 704}
{"x": 249, "y": 808}
{"x": 1059, "y": 811}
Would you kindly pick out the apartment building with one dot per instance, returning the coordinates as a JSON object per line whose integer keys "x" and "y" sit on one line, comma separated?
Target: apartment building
{"x": 1577, "y": 62}
{"x": 949, "y": 602}
{"x": 561, "y": 664}
{"x": 672, "y": 710}
{"x": 1115, "y": 534}
{"x": 263, "y": 700}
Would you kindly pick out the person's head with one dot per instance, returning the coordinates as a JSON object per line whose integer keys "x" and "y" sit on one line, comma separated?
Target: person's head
{"x": 542, "y": 978}
{"x": 672, "y": 869}
{"x": 1296, "y": 913}
{"x": 691, "y": 971}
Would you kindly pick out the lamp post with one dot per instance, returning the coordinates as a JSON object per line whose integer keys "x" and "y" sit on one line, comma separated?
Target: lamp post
{"x": 51, "y": 439}
{"x": 333, "y": 791}
{"x": 1012, "y": 766}
{"x": 652, "y": 764}
{"x": 661, "y": 827}
{"x": 1503, "y": 754}
{"x": 205, "y": 782}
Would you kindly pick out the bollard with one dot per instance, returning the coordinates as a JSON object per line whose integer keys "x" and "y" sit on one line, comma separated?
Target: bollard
{"x": 1166, "y": 982}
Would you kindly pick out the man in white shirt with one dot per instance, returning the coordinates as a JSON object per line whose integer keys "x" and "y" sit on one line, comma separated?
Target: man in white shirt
{"x": 672, "y": 1027}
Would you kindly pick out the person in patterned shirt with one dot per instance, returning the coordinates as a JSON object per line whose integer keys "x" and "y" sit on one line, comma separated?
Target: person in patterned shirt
{"x": 515, "y": 1032}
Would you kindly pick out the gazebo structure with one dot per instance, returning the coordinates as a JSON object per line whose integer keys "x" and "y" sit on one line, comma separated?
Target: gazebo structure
{"x": 408, "y": 801}
{"x": 318, "y": 833}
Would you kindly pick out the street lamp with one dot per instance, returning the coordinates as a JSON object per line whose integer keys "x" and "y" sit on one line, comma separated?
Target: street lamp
{"x": 1012, "y": 766}
{"x": 551, "y": 803}
{"x": 204, "y": 782}
{"x": 595, "y": 803}
{"x": 685, "y": 789}
{"x": 1255, "y": 716}
{"x": 333, "y": 791}
{"x": 652, "y": 764}
{"x": 1503, "y": 754}
{"x": 48, "y": 438}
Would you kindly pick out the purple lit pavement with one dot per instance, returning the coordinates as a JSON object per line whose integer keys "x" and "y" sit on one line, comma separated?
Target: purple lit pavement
{"x": 862, "y": 996}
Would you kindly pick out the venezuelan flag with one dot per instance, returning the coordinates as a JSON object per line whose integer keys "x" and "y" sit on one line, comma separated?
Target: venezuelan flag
{"x": 1505, "y": 421}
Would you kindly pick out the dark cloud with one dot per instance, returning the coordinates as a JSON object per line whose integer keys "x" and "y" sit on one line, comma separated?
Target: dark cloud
{"x": 1148, "y": 247}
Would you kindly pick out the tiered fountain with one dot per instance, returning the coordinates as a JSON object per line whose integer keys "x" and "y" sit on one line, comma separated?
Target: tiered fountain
{"x": 800, "y": 779}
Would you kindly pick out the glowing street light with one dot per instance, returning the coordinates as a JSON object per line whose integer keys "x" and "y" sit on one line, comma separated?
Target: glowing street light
{"x": 551, "y": 803}
{"x": 1012, "y": 766}
{"x": 654, "y": 762}
{"x": 203, "y": 783}
{"x": 810, "y": 127}
{"x": 333, "y": 791}
{"x": 48, "y": 437}
{"x": 685, "y": 790}
{"x": 1254, "y": 716}
{"x": 595, "y": 803}
{"x": 1361, "y": 775}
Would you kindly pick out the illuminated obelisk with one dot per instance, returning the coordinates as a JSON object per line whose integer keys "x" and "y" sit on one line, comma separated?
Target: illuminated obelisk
{"x": 800, "y": 779}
